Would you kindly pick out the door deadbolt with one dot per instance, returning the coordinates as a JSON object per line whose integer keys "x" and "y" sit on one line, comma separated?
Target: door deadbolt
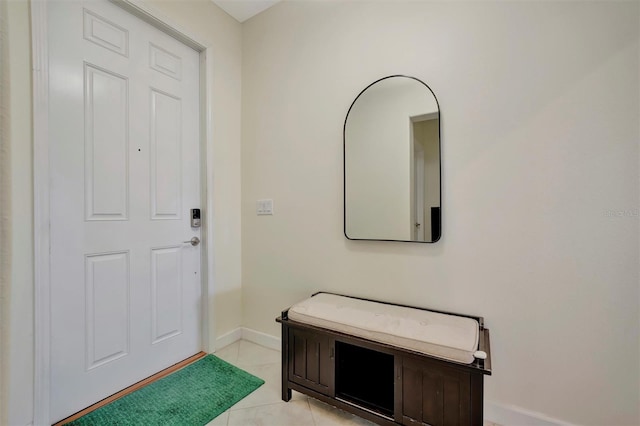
{"x": 195, "y": 218}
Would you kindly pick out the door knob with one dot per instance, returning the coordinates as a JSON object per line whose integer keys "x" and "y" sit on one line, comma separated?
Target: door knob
{"x": 194, "y": 241}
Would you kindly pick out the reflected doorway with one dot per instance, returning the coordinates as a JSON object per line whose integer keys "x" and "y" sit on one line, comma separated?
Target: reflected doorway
{"x": 425, "y": 177}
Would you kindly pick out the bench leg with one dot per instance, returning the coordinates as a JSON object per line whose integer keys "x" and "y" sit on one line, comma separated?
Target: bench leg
{"x": 286, "y": 394}
{"x": 286, "y": 391}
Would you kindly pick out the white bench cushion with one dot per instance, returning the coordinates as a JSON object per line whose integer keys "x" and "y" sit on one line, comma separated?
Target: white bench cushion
{"x": 445, "y": 336}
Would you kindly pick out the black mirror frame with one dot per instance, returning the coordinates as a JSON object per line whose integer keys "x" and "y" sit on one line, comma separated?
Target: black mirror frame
{"x": 344, "y": 162}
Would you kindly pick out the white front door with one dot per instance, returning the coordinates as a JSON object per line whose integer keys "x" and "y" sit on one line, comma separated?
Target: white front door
{"x": 124, "y": 173}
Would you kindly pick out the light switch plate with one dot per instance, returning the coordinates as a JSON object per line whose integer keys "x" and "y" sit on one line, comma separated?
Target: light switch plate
{"x": 264, "y": 207}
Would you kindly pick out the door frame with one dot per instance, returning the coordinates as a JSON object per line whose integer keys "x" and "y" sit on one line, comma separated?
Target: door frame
{"x": 418, "y": 190}
{"x": 41, "y": 188}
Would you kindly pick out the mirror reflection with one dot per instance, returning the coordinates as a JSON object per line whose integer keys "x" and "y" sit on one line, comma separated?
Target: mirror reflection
{"x": 392, "y": 163}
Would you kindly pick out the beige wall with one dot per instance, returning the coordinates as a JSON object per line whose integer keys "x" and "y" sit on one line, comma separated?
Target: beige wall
{"x": 540, "y": 132}
{"x": 20, "y": 365}
{"x": 222, "y": 33}
{"x": 5, "y": 215}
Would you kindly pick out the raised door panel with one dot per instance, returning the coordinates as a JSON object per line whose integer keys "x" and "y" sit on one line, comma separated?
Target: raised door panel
{"x": 105, "y": 33}
{"x": 311, "y": 361}
{"x": 166, "y": 293}
{"x": 106, "y": 144}
{"x": 165, "y": 62}
{"x": 166, "y": 163}
{"x": 107, "y": 308}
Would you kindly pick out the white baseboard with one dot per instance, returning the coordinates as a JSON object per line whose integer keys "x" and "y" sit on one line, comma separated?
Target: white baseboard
{"x": 508, "y": 415}
{"x": 262, "y": 339}
{"x": 228, "y": 338}
{"x": 504, "y": 415}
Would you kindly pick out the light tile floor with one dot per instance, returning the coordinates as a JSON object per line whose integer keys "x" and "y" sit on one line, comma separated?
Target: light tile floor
{"x": 264, "y": 407}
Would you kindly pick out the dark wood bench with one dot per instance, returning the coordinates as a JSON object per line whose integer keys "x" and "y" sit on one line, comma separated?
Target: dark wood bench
{"x": 381, "y": 382}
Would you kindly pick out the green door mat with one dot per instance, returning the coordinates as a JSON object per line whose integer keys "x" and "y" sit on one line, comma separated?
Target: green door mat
{"x": 194, "y": 396}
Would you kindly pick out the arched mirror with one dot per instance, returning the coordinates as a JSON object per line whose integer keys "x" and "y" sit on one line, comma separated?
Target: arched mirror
{"x": 392, "y": 188}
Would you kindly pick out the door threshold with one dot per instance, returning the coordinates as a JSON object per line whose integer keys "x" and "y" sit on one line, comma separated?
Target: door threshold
{"x": 142, "y": 383}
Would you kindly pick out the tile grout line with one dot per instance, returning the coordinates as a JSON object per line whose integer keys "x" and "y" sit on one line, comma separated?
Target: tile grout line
{"x": 254, "y": 365}
{"x": 313, "y": 418}
{"x": 266, "y": 404}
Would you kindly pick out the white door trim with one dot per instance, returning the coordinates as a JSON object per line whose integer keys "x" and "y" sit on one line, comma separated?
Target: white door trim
{"x": 41, "y": 189}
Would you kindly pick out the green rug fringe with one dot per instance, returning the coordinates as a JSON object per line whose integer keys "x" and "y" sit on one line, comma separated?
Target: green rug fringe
{"x": 194, "y": 396}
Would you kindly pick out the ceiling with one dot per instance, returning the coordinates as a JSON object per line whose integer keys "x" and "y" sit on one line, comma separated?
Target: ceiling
{"x": 244, "y": 9}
